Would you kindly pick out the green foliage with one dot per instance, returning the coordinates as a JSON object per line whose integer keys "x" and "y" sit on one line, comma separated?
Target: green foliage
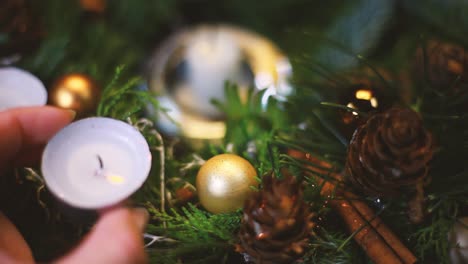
{"x": 60, "y": 19}
{"x": 318, "y": 136}
{"x": 431, "y": 239}
{"x": 141, "y": 19}
{"x": 327, "y": 248}
{"x": 124, "y": 101}
{"x": 196, "y": 232}
{"x": 194, "y": 224}
{"x": 251, "y": 124}
{"x": 75, "y": 43}
{"x": 448, "y": 17}
{"x": 358, "y": 30}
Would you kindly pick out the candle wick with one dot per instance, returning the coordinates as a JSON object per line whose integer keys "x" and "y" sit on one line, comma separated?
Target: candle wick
{"x": 101, "y": 164}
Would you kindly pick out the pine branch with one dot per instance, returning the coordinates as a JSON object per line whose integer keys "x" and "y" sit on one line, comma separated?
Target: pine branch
{"x": 251, "y": 125}
{"x": 330, "y": 247}
{"x": 194, "y": 225}
{"x": 197, "y": 233}
{"x": 431, "y": 240}
{"x": 123, "y": 100}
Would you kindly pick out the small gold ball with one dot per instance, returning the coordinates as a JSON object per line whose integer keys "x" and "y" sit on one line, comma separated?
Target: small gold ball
{"x": 77, "y": 92}
{"x": 224, "y": 182}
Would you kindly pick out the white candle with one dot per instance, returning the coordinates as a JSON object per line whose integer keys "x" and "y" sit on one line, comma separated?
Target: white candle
{"x": 96, "y": 162}
{"x": 19, "y": 88}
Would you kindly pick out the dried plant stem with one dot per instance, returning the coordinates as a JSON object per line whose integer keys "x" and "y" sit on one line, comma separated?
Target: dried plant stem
{"x": 141, "y": 124}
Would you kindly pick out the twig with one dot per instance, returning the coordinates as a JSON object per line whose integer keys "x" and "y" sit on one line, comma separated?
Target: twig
{"x": 155, "y": 239}
{"x": 141, "y": 125}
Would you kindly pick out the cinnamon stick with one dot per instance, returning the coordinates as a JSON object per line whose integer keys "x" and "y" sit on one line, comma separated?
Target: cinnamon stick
{"x": 368, "y": 238}
{"x": 390, "y": 238}
{"x": 377, "y": 240}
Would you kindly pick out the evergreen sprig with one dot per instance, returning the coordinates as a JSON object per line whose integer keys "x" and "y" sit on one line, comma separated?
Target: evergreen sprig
{"x": 431, "y": 239}
{"x": 252, "y": 122}
{"x": 196, "y": 232}
{"x": 121, "y": 101}
{"x": 329, "y": 247}
{"x": 194, "y": 224}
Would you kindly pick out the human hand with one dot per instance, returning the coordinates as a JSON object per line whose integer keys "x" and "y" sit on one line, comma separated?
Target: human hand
{"x": 116, "y": 237}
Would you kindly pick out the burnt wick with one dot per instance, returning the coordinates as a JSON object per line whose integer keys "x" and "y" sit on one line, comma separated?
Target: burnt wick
{"x": 101, "y": 164}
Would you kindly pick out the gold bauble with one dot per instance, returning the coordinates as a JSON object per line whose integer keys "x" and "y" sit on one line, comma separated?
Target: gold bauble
{"x": 77, "y": 92}
{"x": 224, "y": 182}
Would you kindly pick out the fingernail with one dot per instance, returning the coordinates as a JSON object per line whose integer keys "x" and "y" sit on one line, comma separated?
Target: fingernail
{"x": 141, "y": 217}
{"x": 72, "y": 113}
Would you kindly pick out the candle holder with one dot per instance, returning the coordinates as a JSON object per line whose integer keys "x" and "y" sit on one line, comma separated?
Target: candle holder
{"x": 96, "y": 163}
{"x": 19, "y": 88}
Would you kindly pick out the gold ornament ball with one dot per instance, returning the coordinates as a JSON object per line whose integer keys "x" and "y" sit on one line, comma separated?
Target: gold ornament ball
{"x": 224, "y": 182}
{"x": 77, "y": 92}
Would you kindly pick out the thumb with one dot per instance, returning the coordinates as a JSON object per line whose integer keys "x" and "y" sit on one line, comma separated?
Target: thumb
{"x": 116, "y": 238}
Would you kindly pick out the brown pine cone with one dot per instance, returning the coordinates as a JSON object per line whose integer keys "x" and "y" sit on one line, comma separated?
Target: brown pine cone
{"x": 444, "y": 66}
{"x": 276, "y": 224}
{"x": 389, "y": 153}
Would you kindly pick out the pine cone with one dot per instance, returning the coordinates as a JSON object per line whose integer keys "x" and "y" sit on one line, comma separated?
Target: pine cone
{"x": 444, "y": 66}
{"x": 277, "y": 223}
{"x": 389, "y": 153}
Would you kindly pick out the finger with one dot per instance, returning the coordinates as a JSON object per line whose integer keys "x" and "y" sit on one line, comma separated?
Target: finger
{"x": 13, "y": 248}
{"x": 37, "y": 124}
{"x": 116, "y": 238}
{"x": 24, "y": 128}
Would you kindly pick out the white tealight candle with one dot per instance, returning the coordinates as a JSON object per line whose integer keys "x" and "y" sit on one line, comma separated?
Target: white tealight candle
{"x": 96, "y": 162}
{"x": 19, "y": 88}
